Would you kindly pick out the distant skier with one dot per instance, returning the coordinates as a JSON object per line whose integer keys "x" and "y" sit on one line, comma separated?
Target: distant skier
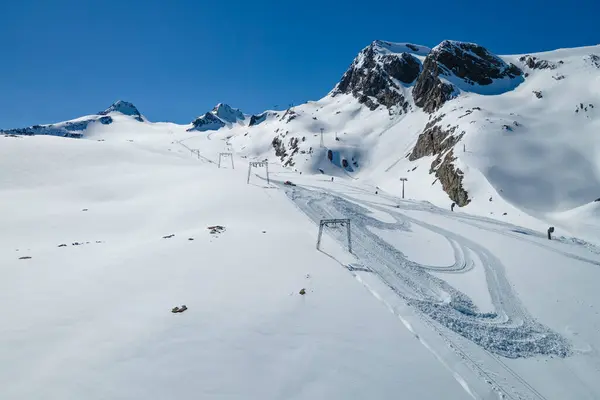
{"x": 332, "y": 179}
{"x": 452, "y": 206}
{"x": 550, "y": 231}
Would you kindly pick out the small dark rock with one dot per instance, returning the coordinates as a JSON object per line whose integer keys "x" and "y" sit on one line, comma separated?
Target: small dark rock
{"x": 190, "y": 238}
{"x": 168, "y": 236}
{"x": 216, "y": 229}
{"x": 62, "y": 245}
{"x": 302, "y": 291}
{"x": 28, "y": 258}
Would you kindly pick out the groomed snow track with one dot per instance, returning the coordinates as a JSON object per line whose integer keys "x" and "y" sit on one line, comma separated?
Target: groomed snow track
{"x": 509, "y": 331}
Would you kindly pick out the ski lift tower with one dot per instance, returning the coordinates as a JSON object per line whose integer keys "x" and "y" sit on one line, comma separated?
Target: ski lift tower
{"x": 322, "y": 142}
{"x": 334, "y": 223}
{"x": 258, "y": 164}
{"x": 403, "y": 180}
{"x": 221, "y": 155}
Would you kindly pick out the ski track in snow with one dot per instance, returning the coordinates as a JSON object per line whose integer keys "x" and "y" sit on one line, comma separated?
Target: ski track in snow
{"x": 509, "y": 331}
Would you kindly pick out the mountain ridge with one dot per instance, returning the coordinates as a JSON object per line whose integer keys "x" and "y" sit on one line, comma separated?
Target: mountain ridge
{"x": 402, "y": 105}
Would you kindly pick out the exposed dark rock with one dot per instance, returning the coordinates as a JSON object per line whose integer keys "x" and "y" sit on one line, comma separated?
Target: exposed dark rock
{"x": 451, "y": 180}
{"x": 405, "y": 67}
{"x": 181, "y": 309}
{"x": 257, "y": 119}
{"x": 168, "y": 236}
{"x": 208, "y": 121}
{"x": 216, "y": 229}
{"x": 430, "y": 93}
{"x": 472, "y": 63}
{"x": 372, "y": 78}
{"x": 558, "y": 77}
{"x": 290, "y": 114}
{"x": 593, "y": 59}
{"x": 25, "y": 258}
{"x": 412, "y": 47}
{"x": 279, "y": 147}
{"x": 433, "y": 140}
{"x": 67, "y": 129}
{"x": 537, "y": 63}
{"x": 436, "y": 141}
{"x": 123, "y": 107}
{"x": 538, "y": 94}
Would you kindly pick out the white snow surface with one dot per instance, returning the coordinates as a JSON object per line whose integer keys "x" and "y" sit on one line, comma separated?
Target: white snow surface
{"x": 475, "y": 303}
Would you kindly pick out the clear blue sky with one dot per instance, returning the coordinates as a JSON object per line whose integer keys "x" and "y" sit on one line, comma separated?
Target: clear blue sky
{"x": 176, "y": 59}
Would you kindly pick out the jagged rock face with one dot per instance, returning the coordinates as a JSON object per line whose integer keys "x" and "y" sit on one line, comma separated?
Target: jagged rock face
{"x": 228, "y": 114}
{"x": 593, "y": 59}
{"x": 372, "y": 78}
{"x": 124, "y": 108}
{"x": 257, "y": 119}
{"x": 206, "y": 122}
{"x": 451, "y": 180}
{"x": 536, "y": 63}
{"x": 436, "y": 141}
{"x": 430, "y": 93}
{"x": 471, "y": 63}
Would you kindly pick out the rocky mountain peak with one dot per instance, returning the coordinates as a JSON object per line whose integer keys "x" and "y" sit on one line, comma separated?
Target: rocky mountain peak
{"x": 463, "y": 66}
{"x": 206, "y": 122}
{"x": 380, "y": 73}
{"x": 123, "y": 107}
{"x": 227, "y": 113}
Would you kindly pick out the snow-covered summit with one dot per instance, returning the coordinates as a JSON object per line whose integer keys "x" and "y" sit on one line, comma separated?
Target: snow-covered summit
{"x": 381, "y": 74}
{"x": 228, "y": 114}
{"x": 123, "y": 107}
{"x": 220, "y": 116}
{"x": 454, "y": 66}
{"x": 383, "y": 47}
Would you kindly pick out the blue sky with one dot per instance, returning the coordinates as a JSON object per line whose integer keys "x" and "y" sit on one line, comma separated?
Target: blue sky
{"x": 176, "y": 59}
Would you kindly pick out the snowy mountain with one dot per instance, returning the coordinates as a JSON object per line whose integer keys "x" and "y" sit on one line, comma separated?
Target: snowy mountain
{"x": 108, "y": 234}
{"x": 457, "y": 120}
{"x": 222, "y": 115}
{"x": 462, "y": 124}
{"x": 76, "y": 128}
{"x": 125, "y": 108}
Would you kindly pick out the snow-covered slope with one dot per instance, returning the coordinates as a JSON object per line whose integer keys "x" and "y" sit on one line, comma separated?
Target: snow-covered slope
{"x": 222, "y": 115}
{"x": 502, "y": 136}
{"x": 103, "y": 237}
{"x": 88, "y": 315}
{"x": 77, "y": 128}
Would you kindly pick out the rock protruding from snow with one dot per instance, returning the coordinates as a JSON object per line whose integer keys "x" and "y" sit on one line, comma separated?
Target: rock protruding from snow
{"x": 257, "y": 119}
{"x": 377, "y": 75}
{"x": 125, "y": 108}
{"x": 72, "y": 129}
{"x": 220, "y": 116}
{"x": 438, "y": 141}
{"x": 534, "y": 62}
{"x": 228, "y": 114}
{"x": 452, "y": 66}
{"x": 206, "y": 122}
